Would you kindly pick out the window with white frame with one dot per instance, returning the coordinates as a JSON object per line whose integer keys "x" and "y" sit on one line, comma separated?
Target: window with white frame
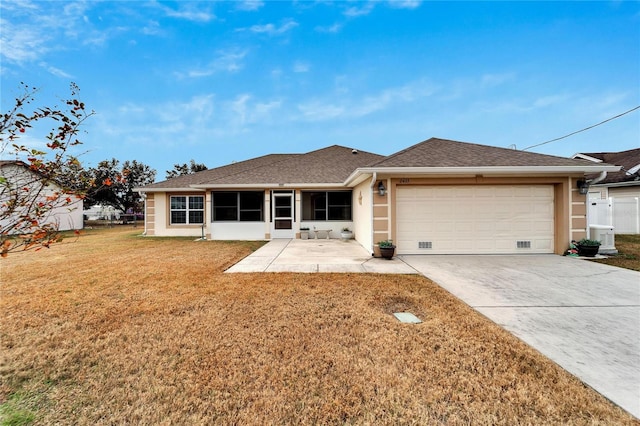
{"x": 187, "y": 209}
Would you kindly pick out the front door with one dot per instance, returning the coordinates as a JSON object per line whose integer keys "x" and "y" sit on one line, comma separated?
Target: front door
{"x": 282, "y": 214}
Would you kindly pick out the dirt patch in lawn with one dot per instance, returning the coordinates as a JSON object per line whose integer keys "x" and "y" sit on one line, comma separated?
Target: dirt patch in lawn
{"x": 115, "y": 328}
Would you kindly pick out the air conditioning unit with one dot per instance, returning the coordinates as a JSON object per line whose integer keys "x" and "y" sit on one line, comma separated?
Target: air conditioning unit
{"x": 606, "y": 236}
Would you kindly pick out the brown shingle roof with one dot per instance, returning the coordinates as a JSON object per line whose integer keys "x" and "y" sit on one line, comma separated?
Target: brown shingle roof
{"x": 627, "y": 159}
{"x": 328, "y": 165}
{"x": 334, "y": 164}
{"x": 437, "y": 152}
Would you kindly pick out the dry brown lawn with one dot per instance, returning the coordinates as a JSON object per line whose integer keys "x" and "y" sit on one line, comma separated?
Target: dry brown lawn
{"x": 628, "y": 256}
{"x": 115, "y": 328}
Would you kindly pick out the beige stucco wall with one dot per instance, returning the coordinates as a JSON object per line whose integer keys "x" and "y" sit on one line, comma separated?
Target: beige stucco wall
{"x": 382, "y": 224}
{"x": 362, "y": 214}
{"x": 160, "y": 224}
{"x": 569, "y": 205}
{"x": 150, "y": 214}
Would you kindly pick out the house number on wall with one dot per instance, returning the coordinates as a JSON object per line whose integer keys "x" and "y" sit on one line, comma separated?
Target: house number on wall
{"x": 404, "y": 180}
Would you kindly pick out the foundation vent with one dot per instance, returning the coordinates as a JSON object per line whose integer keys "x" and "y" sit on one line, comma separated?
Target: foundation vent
{"x": 523, "y": 244}
{"x": 425, "y": 244}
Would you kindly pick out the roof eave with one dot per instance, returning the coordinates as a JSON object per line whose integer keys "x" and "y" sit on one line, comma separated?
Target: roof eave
{"x": 176, "y": 189}
{"x": 586, "y": 157}
{"x": 357, "y": 177}
{"x": 268, "y": 185}
{"x": 616, "y": 184}
{"x": 486, "y": 170}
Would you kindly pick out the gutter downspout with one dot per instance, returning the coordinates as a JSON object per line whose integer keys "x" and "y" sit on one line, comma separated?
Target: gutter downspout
{"x": 600, "y": 178}
{"x": 144, "y": 197}
{"x": 374, "y": 178}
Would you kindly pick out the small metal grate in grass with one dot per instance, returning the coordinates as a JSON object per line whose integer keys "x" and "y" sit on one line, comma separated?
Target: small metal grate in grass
{"x": 407, "y": 317}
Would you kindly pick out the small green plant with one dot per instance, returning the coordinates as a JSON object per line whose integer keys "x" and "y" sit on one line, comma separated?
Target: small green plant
{"x": 386, "y": 244}
{"x": 304, "y": 228}
{"x": 587, "y": 242}
{"x": 346, "y": 229}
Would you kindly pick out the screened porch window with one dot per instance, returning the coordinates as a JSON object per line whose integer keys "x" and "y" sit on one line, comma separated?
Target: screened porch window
{"x": 326, "y": 205}
{"x": 187, "y": 210}
{"x": 238, "y": 206}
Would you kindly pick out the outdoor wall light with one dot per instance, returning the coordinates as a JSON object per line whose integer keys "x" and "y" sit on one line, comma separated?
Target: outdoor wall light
{"x": 381, "y": 189}
{"x": 583, "y": 187}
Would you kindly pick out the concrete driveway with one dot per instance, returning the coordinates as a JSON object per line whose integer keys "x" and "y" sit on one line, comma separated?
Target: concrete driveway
{"x": 583, "y": 315}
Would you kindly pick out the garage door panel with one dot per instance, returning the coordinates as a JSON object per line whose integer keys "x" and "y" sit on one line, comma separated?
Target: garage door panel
{"x": 463, "y": 226}
{"x": 546, "y": 245}
{"x": 475, "y": 219}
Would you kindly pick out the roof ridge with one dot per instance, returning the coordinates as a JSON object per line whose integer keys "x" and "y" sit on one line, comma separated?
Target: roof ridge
{"x": 342, "y": 147}
{"x": 388, "y": 157}
{"x": 610, "y": 152}
{"x": 284, "y": 157}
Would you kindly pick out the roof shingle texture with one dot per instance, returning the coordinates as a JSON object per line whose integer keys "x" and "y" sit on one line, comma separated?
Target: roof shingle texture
{"x": 329, "y": 165}
{"x": 626, "y": 159}
{"x": 437, "y": 152}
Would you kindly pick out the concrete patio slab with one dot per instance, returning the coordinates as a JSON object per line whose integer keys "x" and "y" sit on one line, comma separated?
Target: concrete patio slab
{"x": 583, "y": 315}
{"x": 310, "y": 256}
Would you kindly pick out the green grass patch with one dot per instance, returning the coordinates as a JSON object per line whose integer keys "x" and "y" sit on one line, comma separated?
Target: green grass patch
{"x": 15, "y": 411}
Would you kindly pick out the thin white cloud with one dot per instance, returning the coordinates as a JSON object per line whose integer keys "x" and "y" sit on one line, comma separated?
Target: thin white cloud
{"x": 188, "y": 11}
{"x": 320, "y": 111}
{"x": 243, "y": 112}
{"x": 546, "y": 101}
{"x": 249, "y": 5}
{"x": 273, "y": 30}
{"x": 301, "y": 67}
{"x": 152, "y": 28}
{"x": 21, "y": 44}
{"x": 524, "y": 104}
{"x": 193, "y": 121}
{"x": 55, "y": 71}
{"x": 355, "y": 11}
{"x": 491, "y": 80}
{"x": 331, "y": 29}
{"x": 350, "y": 108}
{"x": 405, "y": 4}
{"x": 32, "y": 31}
{"x": 19, "y": 5}
{"x": 226, "y": 61}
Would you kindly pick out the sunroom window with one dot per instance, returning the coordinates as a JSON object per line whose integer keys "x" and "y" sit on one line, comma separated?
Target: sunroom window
{"x": 326, "y": 205}
{"x": 240, "y": 206}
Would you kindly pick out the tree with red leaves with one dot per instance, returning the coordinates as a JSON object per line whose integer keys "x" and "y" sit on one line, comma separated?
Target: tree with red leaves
{"x": 39, "y": 182}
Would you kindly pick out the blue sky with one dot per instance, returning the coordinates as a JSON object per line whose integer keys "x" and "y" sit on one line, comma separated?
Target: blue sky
{"x": 227, "y": 81}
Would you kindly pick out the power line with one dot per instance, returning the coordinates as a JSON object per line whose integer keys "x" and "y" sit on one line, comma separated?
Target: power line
{"x": 582, "y": 130}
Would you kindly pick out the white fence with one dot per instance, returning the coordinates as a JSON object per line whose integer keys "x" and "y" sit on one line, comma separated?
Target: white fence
{"x": 623, "y": 213}
{"x": 626, "y": 215}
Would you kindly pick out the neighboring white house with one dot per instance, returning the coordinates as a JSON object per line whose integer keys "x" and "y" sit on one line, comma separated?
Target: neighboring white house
{"x": 102, "y": 212}
{"x": 614, "y": 197}
{"x": 19, "y": 177}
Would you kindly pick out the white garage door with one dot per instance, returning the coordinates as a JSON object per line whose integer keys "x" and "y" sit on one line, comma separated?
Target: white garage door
{"x": 477, "y": 219}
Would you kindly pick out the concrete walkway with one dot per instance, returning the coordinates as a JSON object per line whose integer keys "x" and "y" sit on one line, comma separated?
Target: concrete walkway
{"x": 284, "y": 255}
{"x": 583, "y": 315}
